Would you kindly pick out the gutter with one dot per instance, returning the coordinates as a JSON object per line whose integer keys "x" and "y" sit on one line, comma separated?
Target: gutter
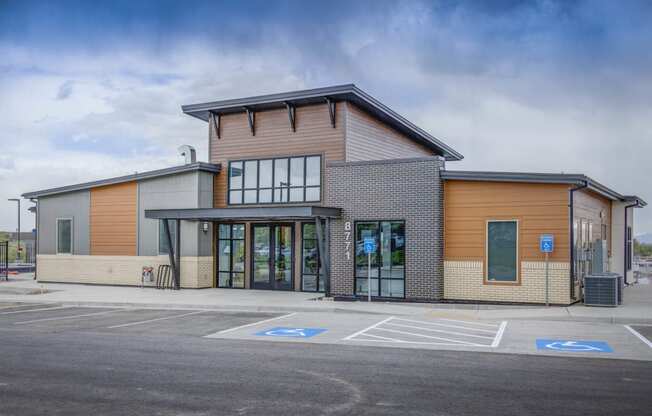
{"x": 571, "y": 245}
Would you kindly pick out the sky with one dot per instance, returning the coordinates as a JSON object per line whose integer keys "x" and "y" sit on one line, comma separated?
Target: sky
{"x": 90, "y": 90}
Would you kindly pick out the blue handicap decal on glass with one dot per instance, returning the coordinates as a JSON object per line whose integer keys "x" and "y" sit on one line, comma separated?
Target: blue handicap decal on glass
{"x": 369, "y": 245}
{"x": 573, "y": 346}
{"x": 291, "y": 332}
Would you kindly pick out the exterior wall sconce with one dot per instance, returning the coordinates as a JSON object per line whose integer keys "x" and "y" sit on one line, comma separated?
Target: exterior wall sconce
{"x": 204, "y": 227}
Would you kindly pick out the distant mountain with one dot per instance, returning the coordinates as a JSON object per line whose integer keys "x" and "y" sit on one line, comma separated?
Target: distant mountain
{"x": 645, "y": 238}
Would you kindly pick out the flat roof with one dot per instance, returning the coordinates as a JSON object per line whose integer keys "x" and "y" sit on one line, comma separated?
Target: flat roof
{"x": 530, "y": 177}
{"x": 347, "y": 92}
{"x": 191, "y": 167}
{"x": 240, "y": 213}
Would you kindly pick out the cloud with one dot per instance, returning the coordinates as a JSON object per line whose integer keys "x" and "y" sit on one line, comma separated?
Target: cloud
{"x": 65, "y": 90}
{"x": 536, "y": 86}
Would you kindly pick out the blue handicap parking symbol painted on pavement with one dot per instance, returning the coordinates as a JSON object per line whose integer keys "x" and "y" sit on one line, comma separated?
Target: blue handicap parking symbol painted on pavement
{"x": 573, "y": 346}
{"x": 291, "y": 332}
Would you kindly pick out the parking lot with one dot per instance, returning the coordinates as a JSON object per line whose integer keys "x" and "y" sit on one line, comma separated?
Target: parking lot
{"x": 343, "y": 328}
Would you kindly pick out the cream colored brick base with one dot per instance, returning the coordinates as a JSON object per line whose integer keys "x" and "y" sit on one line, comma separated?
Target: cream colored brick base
{"x": 196, "y": 272}
{"x": 463, "y": 280}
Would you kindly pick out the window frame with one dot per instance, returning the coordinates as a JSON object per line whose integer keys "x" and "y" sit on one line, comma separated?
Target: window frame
{"x": 517, "y": 281}
{"x": 231, "y": 241}
{"x": 273, "y": 188}
{"x": 629, "y": 247}
{"x": 380, "y": 279}
{"x": 72, "y": 236}
{"x": 320, "y": 270}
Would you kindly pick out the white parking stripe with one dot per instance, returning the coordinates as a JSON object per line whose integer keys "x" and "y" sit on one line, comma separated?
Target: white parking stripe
{"x": 440, "y": 330}
{"x": 469, "y": 322}
{"x": 448, "y": 326}
{"x": 430, "y": 337}
{"x": 379, "y": 337}
{"x": 499, "y": 334}
{"x": 225, "y": 331}
{"x": 35, "y": 310}
{"x": 639, "y": 336}
{"x": 367, "y": 328}
{"x": 157, "y": 319}
{"x": 58, "y": 318}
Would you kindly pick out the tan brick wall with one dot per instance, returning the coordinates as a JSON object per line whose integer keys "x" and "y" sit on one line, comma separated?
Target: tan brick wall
{"x": 464, "y": 280}
{"x": 196, "y": 272}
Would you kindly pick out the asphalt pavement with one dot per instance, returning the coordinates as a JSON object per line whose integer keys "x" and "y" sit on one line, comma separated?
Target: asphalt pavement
{"x": 62, "y": 360}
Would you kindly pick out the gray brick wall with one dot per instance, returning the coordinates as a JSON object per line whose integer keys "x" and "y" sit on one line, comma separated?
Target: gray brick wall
{"x": 407, "y": 189}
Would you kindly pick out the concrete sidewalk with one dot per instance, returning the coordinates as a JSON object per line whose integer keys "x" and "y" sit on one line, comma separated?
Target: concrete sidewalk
{"x": 21, "y": 288}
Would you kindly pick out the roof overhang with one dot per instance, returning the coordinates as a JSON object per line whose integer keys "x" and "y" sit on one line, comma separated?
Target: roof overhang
{"x": 245, "y": 213}
{"x": 551, "y": 178}
{"x": 191, "y": 167}
{"x": 347, "y": 92}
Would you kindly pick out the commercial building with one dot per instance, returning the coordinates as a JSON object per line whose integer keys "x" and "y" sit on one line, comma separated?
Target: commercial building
{"x": 295, "y": 183}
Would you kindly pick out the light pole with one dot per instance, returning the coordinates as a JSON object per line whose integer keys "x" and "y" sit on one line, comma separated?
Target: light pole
{"x": 18, "y": 246}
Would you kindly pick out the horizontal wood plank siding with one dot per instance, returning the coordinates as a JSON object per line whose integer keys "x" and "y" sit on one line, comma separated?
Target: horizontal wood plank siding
{"x": 113, "y": 220}
{"x": 540, "y": 209}
{"x": 370, "y": 139}
{"x": 274, "y": 137}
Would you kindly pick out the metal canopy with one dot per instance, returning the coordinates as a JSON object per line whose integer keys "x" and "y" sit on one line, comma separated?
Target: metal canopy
{"x": 242, "y": 213}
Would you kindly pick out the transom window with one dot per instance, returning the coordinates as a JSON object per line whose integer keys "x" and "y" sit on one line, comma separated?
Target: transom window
{"x": 275, "y": 181}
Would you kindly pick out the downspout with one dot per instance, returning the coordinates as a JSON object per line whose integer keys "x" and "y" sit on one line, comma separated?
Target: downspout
{"x": 627, "y": 254}
{"x": 571, "y": 245}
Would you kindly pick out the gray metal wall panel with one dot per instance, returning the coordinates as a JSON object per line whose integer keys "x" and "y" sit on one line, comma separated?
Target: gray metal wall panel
{"x": 75, "y": 205}
{"x": 205, "y": 245}
{"x": 176, "y": 191}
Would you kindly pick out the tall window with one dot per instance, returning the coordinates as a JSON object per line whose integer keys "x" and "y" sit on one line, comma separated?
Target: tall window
{"x": 387, "y": 262}
{"x": 630, "y": 249}
{"x": 231, "y": 255}
{"x": 280, "y": 180}
{"x": 502, "y": 251}
{"x": 312, "y": 277}
{"x": 64, "y": 236}
{"x": 163, "y": 247}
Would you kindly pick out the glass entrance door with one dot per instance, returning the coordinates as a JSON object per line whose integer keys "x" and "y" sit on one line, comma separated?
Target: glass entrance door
{"x": 273, "y": 256}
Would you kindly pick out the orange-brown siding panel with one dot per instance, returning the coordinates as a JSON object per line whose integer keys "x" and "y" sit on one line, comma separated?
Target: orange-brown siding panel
{"x": 539, "y": 208}
{"x": 113, "y": 220}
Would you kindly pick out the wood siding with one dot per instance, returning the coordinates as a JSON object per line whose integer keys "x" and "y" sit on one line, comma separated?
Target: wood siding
{"x": 370, "y": 139}
{"x": 587, "y": 206}
{"x": 113, "y": 220}
{"x": 274, "y": 137}
{"x": 539, "y": 208}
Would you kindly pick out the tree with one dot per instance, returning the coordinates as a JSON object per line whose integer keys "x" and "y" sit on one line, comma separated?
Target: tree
{"x": 642, "y": 250}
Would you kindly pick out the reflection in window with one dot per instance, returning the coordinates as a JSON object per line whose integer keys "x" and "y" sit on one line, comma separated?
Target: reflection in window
{"x": 387, "y": 262}
{"x": 64, "y": 236}
{"x": 231, "y": 255}
{"x": 163, "y": 247}
{"x": 312, "y": 277}
{"x": 280, "y": 180}
{"x": 502, "y": 240}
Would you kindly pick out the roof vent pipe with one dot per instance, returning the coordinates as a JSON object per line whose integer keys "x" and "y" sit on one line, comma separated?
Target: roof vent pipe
{"x": 188, "y": 152}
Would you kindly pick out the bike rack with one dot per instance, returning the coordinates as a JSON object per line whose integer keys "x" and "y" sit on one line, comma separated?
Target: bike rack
{"x": 164, "y": 277}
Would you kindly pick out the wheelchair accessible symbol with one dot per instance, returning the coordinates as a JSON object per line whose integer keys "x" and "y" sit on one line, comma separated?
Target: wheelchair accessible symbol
{"x": 573, "y": 346}
{"x": 291, "y": 332}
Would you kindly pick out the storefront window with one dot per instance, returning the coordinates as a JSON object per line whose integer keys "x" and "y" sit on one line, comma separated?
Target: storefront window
{"x": 280, "y": 180}
{"x": 387, "y": 262}
{"x": 502, "y": 251}
{"x": 64, "y": 236}
{"x": 163, "y": 247}
{"x": 231, "y": 255}
{"x": 312, "y": 278}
